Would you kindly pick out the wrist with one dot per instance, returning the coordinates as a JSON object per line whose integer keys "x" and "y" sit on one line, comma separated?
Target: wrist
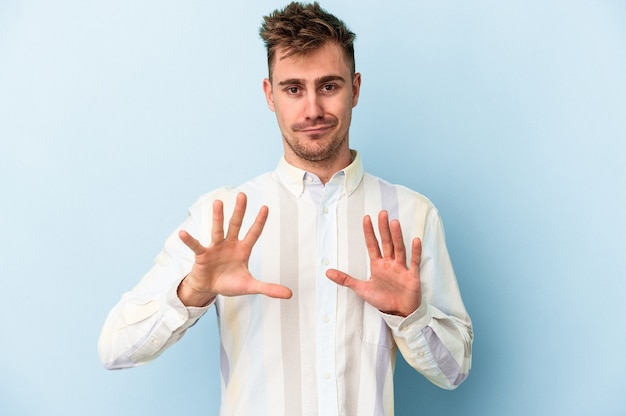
{"x": 191, "y": 296}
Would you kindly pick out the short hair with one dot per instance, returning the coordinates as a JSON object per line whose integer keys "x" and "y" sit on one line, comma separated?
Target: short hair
{"x": 301, "y": 28}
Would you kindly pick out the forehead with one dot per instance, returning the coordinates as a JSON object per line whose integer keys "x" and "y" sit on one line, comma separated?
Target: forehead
{"x": 326, "y": 60}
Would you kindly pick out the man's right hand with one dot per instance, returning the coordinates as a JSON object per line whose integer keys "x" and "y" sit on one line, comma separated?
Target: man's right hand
{"x": 222, "y": 267}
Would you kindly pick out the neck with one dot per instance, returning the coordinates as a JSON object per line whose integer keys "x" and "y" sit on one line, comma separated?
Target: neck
{"x": 323, "y": 169}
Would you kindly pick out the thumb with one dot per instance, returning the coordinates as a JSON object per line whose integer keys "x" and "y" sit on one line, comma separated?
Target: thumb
{"x": 271, "y": 290}
{"x": 341, "y": 278}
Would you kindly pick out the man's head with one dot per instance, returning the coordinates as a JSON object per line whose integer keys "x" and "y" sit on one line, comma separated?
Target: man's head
{"x": 299, "y": 29}
{"x": 312, "y": 86}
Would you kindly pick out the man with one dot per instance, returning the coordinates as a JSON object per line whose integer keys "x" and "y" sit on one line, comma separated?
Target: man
{"x": 314, "y": 300}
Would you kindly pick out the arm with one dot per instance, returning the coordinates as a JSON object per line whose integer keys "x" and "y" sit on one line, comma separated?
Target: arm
{"x": 183, "y": 283}
{"x": 421, "y": 302}
{"x": 150, "y": 317}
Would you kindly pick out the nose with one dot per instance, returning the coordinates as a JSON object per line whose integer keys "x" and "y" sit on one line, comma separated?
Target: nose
{"x": 313, "y": 109}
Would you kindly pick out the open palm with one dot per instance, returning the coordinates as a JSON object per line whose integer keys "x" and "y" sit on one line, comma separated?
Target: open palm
{"x": 222, "y": 267}
{"x": 393, "y": 287}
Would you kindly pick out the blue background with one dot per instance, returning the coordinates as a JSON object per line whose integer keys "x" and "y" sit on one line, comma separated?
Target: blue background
{"x": 511, "y": 116}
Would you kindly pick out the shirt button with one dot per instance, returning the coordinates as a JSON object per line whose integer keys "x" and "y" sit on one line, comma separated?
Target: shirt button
{"x": 325, "y": 262}
{"x": 326, "y": 319}
{"x": 327, "y": 375}
{"x": 420, "y": 354}
{"x": 325, "y": 210}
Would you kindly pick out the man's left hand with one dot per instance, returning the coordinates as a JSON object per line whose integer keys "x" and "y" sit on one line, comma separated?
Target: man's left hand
{"x": 393, "y": 287}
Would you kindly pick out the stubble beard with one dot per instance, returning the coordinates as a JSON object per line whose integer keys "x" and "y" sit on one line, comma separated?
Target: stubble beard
{"x": 317, "y": 150}
{"x": 321, "y": 151}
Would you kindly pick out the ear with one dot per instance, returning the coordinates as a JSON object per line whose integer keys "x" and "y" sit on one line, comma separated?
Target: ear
{"x": 356, "y": 89}
{"x": 269, "y": 95}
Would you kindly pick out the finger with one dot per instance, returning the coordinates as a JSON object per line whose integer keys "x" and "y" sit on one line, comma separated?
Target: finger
{"x": 343, "y": 279}
{"x": 271, "y": 290}
{"x": 257, "y": 227}
{"x": 385, "y": 234}
{"x": 359, "y": 287}
{"x": 399, "y": 250}
{"x": 373, "y": 249}
{"x": 217, "y": 230}
{"x": 234, "y": 225}
{"x": 416, "y": 255}
{"x": 191, "y": 242}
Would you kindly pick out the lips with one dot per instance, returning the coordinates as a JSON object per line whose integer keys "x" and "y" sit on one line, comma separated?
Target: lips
{"x": 315, "y": 126}
{"x": 316, "y": 129}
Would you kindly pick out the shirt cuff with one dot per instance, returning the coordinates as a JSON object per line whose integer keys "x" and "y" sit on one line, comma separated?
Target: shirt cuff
{"x": 188, "y": 313}
{"x": 417, "y": 320}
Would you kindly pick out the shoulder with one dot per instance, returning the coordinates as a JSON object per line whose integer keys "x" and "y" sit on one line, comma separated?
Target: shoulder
{"x": 403, "y": 193}
{"x": 227, "y": 194}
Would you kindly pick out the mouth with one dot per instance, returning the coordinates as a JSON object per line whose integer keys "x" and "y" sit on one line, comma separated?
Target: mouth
{"x": 314, "y": 131}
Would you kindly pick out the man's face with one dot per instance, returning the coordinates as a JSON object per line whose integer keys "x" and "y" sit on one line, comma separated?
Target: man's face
{"x": 313, "y": 97}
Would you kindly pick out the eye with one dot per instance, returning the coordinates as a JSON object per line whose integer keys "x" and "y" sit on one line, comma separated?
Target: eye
{"x": 293, "y": 90}
{"x": 329, "y": 88}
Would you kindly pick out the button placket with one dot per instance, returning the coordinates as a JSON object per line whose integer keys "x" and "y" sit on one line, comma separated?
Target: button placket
{"x": 327, "y": 292}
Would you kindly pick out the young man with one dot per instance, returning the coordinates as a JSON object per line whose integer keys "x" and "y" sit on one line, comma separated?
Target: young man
{"x": 312, "y": 303}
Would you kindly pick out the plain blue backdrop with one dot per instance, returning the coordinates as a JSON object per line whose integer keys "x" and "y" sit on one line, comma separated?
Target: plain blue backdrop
{"x": 509, "y": 115}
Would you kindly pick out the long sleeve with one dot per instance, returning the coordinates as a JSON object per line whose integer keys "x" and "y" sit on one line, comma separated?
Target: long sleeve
{"x": 436, "y": 339}
{"x": 325, "y": 350}
{"x": 150, "y": 318}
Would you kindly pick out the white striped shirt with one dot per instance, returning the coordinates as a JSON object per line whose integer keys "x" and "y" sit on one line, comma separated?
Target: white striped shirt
{"x": 324, "y": 351}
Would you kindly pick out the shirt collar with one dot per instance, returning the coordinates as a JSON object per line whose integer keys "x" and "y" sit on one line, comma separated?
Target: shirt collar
{"x": 293, "y": 178}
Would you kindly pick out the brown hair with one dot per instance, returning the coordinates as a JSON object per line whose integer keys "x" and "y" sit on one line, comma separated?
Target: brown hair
{"x": 301, "y": 28}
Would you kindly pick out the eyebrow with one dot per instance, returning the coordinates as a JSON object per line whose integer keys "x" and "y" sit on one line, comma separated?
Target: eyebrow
{"x": 318, "y": 81}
